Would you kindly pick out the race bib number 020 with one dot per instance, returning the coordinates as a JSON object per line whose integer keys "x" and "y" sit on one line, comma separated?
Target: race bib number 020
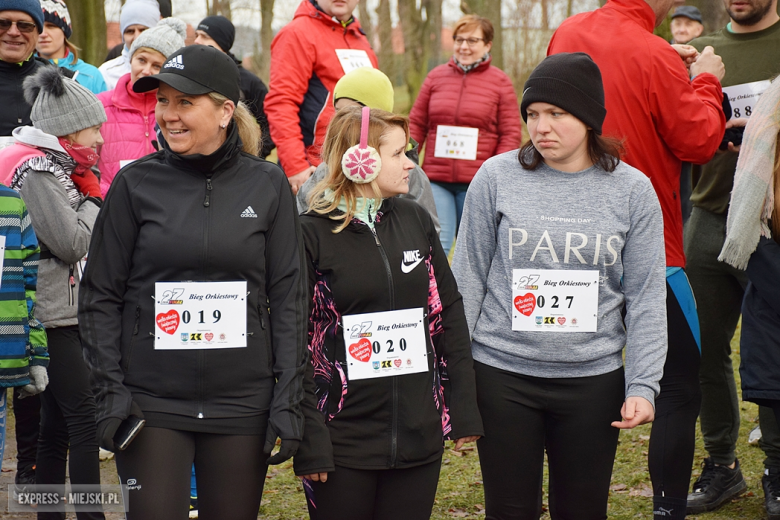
{"x": 549, "y": 300}
{"x": 199, "y": 315}
{"x": 382, "y": 344}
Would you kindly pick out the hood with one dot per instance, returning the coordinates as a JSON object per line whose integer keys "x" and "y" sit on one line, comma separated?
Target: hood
{"x": 31, "y": 136}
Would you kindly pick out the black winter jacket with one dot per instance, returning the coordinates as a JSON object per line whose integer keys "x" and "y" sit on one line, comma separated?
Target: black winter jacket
{"x": 760, "y": 340}
{"x": 390, "y": 422}
{"x": 253, "y": 92}
{"x": 16, "y": 111}
{"x": 170, "y": 218}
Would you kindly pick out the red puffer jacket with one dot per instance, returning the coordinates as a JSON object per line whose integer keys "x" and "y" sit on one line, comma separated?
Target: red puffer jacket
{"x": 482, "y": 98}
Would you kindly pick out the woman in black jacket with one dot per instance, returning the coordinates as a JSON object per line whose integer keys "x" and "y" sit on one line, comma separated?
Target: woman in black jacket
{"x": 389, "y": 344}
{"x": 193, "y": 303}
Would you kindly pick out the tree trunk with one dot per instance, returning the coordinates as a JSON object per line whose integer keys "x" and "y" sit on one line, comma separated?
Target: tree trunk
{"x": 387, "y": 59}
{"x": 490, "y": 9}
{"x": 713, "y": 14}
{"x": 365, "y": 21}
{"x": 219, "y": 7}
{"x": 434, "y": 15}
{"x": 417, "y": 46}
{"x": 263, "y": 59}
{"x": 89, "y": 29}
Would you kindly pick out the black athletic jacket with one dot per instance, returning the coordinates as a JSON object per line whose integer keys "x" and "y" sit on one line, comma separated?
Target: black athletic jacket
{"x": 223, "y": 217}
{"x": 15, "y": 111}
{"x": 392, "y": 422}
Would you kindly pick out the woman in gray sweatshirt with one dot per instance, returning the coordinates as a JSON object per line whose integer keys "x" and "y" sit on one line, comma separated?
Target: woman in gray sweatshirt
{"x": 560, "y": 261}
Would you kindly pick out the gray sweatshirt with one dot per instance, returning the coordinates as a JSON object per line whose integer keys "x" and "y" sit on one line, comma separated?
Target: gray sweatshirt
{"x": 546, "y": 219}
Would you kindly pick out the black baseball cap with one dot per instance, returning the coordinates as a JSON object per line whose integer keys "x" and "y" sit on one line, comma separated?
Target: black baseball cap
{"x": 197, "y": 69}
{"x": 688, "y": 11}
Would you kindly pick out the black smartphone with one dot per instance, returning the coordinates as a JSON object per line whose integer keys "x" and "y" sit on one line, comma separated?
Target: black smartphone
{"x": 127, "y": 431}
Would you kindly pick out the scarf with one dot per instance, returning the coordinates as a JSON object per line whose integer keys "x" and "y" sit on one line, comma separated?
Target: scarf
{"x": 752, "y": 199}
{"x": 469, "y": 68}
{"x": 84, "y": 156}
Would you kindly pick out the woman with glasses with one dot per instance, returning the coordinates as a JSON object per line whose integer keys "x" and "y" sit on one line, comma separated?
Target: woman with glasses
{"x": 466, "y": 112}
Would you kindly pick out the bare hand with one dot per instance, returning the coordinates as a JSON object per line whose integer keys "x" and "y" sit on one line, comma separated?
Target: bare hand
{"x": 297, "y": 180}
{"x": 710, "y": 62}
{"x": 736, "y": 122}
{"x": 688, "y": 53}
{"x": 316, "y": 477}
{"x": 635, "y": 411}
{"x": 463, "y": 440}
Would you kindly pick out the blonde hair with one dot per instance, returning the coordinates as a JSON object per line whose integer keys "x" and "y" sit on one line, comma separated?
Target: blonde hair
{"x": 73, "y": 49}
{"x": 248, "y": 129}
{"x": 344, "y": 132}
{"x": 776, "y": 211}
{"x": 148, "y": 49}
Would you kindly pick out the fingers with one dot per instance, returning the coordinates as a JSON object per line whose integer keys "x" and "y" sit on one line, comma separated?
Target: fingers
{"x": 316, "y": 477}
{"x": 733, "y": 148}
{"x": 635, "y": 411}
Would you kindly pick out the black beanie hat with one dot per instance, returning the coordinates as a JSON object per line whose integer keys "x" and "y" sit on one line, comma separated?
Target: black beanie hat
{"x": 571, "y": 81}
{"x": 219, "y": 29}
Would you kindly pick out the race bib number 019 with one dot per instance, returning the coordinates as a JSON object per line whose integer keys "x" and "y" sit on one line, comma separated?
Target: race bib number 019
{"x": 743, "y": 98}
{"x": 382, "y": 344}
{"x": 549, "y": 300}
{"x": 199, "y": 315}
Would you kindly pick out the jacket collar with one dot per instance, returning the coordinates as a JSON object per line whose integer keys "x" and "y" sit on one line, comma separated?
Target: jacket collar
{"x": 309, "y": 9}
{"x": 479, "y": 68}
{"x": 125, "y": 98}
{"x": 637, "y": 11}
{"x": 19, "y": 68}
{"x": 208, "y": 164}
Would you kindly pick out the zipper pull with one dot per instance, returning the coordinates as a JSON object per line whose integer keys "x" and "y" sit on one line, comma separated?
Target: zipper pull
{"x": 376, "y": 238}
{"x": 206, "y": 202}
{"x": 71, "y": 279}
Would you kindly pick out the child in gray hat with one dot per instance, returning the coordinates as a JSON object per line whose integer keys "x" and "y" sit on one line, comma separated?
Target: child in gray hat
{"x": 53, "y": 175}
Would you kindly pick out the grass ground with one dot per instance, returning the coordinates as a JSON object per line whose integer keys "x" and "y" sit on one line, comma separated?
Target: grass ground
{"x": 460, "y": 493}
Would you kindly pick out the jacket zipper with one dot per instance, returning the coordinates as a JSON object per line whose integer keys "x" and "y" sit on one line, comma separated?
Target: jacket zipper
{"x": 132, "y": 340}
{"x": 202, "y": 353}
{"x": 265, "y": 335}
{"x": 394, "y": 435}
{"x": 72, "y": 284}
{"x": 457, "y": 122}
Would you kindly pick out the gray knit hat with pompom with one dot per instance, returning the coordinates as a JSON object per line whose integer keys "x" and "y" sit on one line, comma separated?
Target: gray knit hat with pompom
{"x": 60, "y": 106}
{"x": 166, "y": 37}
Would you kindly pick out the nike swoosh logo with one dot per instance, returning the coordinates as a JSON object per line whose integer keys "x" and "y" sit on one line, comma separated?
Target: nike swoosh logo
{"x": 409, "y": 268}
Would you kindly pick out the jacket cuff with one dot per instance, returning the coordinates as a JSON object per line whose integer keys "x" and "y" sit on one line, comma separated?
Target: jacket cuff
{"x": 640, "y": 390}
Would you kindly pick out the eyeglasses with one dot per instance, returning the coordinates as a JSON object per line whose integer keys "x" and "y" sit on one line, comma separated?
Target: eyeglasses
{"x": 25, "y": 27}
{"x": 469, "y": 41}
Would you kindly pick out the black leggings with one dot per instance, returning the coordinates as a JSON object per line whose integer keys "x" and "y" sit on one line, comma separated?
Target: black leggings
{"x": 673, "y": 436}
{"x": 391, "y": 494}
{"x": 68, "y": 428}
{"x": 156, "y": 467}
{"x": 570, "y": 418}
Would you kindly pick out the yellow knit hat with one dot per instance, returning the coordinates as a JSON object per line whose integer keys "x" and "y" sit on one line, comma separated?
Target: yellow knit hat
{"x": 367, "y": 86}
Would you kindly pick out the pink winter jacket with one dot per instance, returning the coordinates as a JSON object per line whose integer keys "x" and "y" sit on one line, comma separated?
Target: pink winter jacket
{"x": 129, "y": 131}
{"x": 483, "y": 98}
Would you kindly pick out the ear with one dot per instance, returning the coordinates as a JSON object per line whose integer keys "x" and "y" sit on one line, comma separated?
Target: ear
{"x": 228, "y": 108}
{"x": 488, "y": 46}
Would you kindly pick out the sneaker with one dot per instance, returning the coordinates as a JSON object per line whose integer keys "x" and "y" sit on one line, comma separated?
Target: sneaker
{"x": 755, "y": 436}
{"x": 105, "y": 454}
{"x": 771, "y": 484}
{"x": 23, "y": 479}
{"x": 193, "y": 507}
{"x": 716, "y": 486}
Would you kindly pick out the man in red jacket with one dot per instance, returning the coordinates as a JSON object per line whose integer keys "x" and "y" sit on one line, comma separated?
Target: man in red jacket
{"x": 308, "y": 56}
{"x": 664, "y": 118}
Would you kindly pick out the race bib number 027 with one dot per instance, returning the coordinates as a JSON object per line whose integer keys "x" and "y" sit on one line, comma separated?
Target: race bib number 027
{"x": 382, "y": 344}
{"x": 199, "y": 315}
{"x": 549, "y": 300}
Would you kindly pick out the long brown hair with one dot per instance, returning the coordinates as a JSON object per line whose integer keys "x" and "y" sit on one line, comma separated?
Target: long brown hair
{"x": 604, "y": 152}
{"x": 344, "y": 132}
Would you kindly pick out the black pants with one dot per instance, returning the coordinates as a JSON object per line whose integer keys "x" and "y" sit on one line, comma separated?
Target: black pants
{"x": 27, "y": 414}
{"x": 570, "y": 418}
{"x": 67, "y": 419}
{"x": 391, "y": 494}
{"x": 156, "y": 467}
{"x": 673, "y": 436}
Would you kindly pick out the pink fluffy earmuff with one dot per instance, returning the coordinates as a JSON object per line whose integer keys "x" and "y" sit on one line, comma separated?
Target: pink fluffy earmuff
{"x": 361, "y": 163}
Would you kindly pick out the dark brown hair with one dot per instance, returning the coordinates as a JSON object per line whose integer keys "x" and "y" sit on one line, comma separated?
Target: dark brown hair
{"x": 605, "y": 152}
{"x": 471, "y": 22}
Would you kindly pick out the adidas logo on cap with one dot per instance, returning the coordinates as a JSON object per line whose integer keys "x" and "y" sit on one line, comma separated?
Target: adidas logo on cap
{"x": 175, "y": 63}
{"x": 248, "y": 213}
